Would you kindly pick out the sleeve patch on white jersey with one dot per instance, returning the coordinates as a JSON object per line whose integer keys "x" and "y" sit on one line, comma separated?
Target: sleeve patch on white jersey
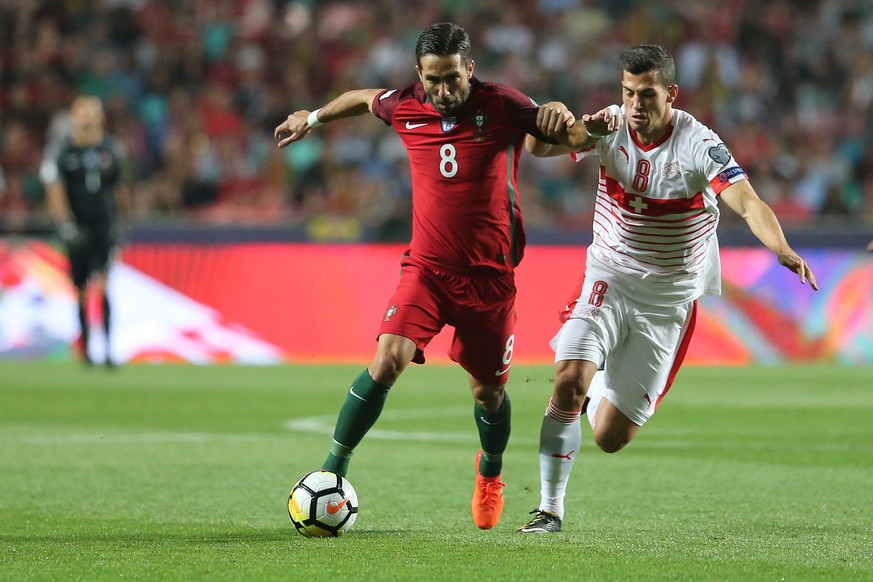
{"x": 720, "y": 154}
{"x": 582, "y": 154}
{"x": 727, "y": 175}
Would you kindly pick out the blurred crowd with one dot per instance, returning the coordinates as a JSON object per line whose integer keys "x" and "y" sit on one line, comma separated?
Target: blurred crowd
{"x": 194, "y": 89}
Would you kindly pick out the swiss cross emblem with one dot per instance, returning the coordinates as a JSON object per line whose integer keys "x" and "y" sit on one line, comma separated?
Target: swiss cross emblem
{"x": 638, "y": 204}
{"x": 671, "y": 170}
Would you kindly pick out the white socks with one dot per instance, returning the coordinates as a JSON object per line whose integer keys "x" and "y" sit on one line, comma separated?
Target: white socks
{"x": 560, "y": 440}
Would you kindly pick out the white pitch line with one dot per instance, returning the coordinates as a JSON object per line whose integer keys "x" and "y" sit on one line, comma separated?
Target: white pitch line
{"x": 310, "y": 424}
{"x": 325, "y": 425}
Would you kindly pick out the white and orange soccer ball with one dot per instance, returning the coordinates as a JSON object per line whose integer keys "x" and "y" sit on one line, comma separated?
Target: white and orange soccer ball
{"x": 323, "y": 504}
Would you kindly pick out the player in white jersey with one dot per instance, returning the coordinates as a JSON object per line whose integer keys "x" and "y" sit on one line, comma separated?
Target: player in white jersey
{"x": 654, "y": 253}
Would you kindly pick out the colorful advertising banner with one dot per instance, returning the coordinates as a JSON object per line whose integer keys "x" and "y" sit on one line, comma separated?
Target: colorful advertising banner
{"x": 265, "y": 303}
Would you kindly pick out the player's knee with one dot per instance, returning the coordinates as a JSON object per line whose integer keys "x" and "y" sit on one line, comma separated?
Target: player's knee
{"x": 569, "y": 390}
{"x": 570, "y": 379}
{"x": 611, "y": 445}
{"x": 610, "y": 442}
{"x": 488, "y": 398}
{"x": 387, "y": 367}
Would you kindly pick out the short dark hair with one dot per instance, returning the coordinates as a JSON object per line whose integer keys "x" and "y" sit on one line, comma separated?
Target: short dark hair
{"x": 645, "y": 58}
{"x": 442, "y": 40}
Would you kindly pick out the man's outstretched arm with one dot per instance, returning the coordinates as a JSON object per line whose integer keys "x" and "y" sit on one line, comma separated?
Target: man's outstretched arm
{"x": 743, "y": 199}
{"x": 300, "y": 123}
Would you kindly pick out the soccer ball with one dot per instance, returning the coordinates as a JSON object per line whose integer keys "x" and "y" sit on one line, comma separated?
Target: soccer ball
{"x": 323, "y": 504}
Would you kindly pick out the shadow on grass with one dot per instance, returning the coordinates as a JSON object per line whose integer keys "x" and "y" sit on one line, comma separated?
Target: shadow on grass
{"x": 211, "y": 538}
{"x": 226, "y": 537}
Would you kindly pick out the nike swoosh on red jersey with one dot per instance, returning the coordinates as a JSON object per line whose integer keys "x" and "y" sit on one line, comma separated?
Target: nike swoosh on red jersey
{"x": 414, "y": 125}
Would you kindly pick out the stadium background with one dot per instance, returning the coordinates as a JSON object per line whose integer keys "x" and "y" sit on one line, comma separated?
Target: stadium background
{"x": 237, "y": 251}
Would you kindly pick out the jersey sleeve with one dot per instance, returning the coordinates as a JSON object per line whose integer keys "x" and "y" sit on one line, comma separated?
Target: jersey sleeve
{"x": 521, "y": 111}
{"x": 49, "y": 168}
{"x": 716, "y": 162}
{"x": 598, "y": 147}
{"x": 385, "y": 103}
{"x": 582, "y": 154}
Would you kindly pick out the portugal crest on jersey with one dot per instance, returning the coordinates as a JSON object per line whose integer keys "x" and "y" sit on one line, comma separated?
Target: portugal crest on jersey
{"x": 480, "y": 119}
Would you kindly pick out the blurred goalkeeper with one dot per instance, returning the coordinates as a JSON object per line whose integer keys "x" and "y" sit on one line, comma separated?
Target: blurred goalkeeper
{"x": 654, "y": 253}
{"x": 83, "y": 181}
{"x": 464, "y": 138}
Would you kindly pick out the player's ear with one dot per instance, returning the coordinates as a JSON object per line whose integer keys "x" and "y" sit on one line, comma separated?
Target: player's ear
{"x": 672, "y": 92}
{"x": 418, "y": 72}
{"x": 470, "y": 69}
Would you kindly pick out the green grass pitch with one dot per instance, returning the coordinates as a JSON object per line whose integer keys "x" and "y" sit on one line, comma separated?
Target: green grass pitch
{"x": 182, "y": 473}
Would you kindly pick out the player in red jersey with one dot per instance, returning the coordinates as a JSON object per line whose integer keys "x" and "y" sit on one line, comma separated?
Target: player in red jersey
{"x": 464, "y": 138}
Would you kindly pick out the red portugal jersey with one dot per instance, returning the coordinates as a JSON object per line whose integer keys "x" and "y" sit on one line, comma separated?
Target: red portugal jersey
{"x": 465, "y": 213}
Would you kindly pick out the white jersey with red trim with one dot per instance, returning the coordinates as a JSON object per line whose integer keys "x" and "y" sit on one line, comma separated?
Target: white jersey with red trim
{"x": 656, "y": 211}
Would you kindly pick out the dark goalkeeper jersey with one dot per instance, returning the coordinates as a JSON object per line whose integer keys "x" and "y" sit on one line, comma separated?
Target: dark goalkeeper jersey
{"x": 465, "y": 213}
{"x": 90, "y": 175}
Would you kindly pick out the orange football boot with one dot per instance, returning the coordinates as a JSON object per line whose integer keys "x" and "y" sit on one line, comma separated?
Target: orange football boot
{"x": 487, "y": 499}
